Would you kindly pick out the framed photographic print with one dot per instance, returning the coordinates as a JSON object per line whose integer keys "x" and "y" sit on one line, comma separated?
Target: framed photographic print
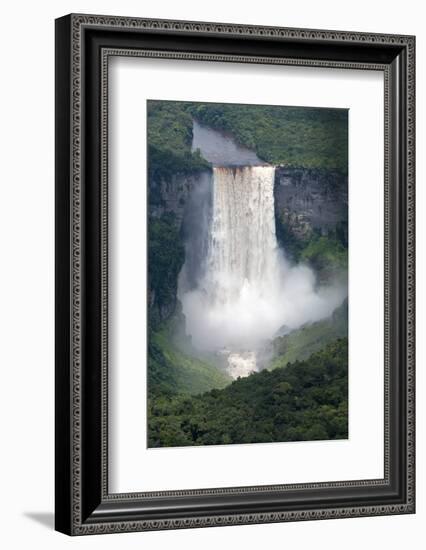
{"x": 234, "y": 274}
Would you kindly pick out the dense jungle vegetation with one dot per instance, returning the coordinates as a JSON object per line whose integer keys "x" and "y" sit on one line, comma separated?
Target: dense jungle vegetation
{"x": 169, "y": 140}
{"x": 306, "y": 400}
{"x": 294, "y": 136}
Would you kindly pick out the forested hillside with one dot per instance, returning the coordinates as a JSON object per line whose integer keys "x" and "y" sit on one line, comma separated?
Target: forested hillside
{"x": 306, "y": 400}
{"x": 301, "y": 343}
{"x": 172, "y": 370}
{"x": 169, "y": 140}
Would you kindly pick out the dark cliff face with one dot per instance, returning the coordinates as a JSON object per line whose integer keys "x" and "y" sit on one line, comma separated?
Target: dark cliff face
{"x": 174, "y": 195}
{"x": 178, "y": 212}
{"x": 310, "y": 200}
{"x": 305, "y": 199}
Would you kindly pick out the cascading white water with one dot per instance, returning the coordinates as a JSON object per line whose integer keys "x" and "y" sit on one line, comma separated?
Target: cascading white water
{"x": 247, "y": 290}
{"x": 242, "y": 246}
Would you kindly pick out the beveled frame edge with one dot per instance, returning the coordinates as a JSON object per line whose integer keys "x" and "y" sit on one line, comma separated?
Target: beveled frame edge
{"x": 71, "y": 207}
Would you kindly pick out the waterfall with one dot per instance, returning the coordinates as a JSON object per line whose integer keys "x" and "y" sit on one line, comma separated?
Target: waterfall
{"x": 241, "y": 265}
{"x": 242, "y": 251}
{"x": 246, "y": 290}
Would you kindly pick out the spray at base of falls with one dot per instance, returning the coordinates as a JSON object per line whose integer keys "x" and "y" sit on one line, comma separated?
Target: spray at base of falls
{"x": 247, "y": 290}
{"x": 241, "y": 364}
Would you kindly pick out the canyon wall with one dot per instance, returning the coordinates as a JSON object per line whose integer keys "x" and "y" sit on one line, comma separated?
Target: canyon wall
{"x": 306, "y": 200}
{"x": 309, "y": 200}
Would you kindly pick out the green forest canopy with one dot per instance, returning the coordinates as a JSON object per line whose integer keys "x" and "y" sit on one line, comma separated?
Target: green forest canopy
{"x": 169, "y": 140}
{"x": 306, "y": 400}
{"x": 295, "y": 136}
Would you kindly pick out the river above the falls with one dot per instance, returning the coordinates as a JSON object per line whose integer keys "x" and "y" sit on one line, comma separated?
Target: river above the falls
{"x": 221, "y": 149}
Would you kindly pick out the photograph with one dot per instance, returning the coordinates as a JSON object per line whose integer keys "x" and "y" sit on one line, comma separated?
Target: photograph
{"x": 247, "y": 261}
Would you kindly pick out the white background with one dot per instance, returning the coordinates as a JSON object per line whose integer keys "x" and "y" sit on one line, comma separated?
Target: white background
{"x": 132, "y": 466}
{"x": 26, "y": 218}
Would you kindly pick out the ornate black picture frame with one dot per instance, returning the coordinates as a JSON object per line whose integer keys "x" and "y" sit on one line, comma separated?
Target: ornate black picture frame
{"x": 83, "y": 45}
